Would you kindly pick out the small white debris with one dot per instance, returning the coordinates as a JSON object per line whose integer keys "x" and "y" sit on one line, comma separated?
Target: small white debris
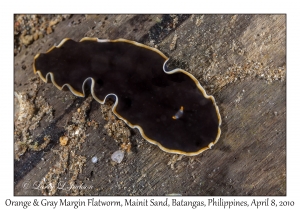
{"x": 94, "y": 159}
{"x": 118, "y": 156}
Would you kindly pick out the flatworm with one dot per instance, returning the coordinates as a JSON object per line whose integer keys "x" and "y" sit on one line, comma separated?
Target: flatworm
{"x": 169, "y": 107}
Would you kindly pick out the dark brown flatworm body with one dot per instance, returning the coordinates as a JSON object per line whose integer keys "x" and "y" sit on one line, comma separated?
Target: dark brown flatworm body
{"x": 170, "y": 108}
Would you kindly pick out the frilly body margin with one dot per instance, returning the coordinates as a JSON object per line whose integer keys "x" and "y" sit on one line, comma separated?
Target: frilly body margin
{"x": 46, "y": 78}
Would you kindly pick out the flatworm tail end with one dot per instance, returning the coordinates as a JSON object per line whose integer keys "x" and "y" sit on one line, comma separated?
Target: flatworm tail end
{"x": 210, "y": 97}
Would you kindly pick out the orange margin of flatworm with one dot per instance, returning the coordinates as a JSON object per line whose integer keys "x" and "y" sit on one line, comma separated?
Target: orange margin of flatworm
{"x": 45, "y": 79}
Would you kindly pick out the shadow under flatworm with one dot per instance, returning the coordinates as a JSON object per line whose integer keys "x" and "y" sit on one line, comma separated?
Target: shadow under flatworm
{"x": 147, "y": 96}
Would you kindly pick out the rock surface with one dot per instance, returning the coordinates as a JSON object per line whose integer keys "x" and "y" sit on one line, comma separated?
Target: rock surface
{"x": 240, "y": 59}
